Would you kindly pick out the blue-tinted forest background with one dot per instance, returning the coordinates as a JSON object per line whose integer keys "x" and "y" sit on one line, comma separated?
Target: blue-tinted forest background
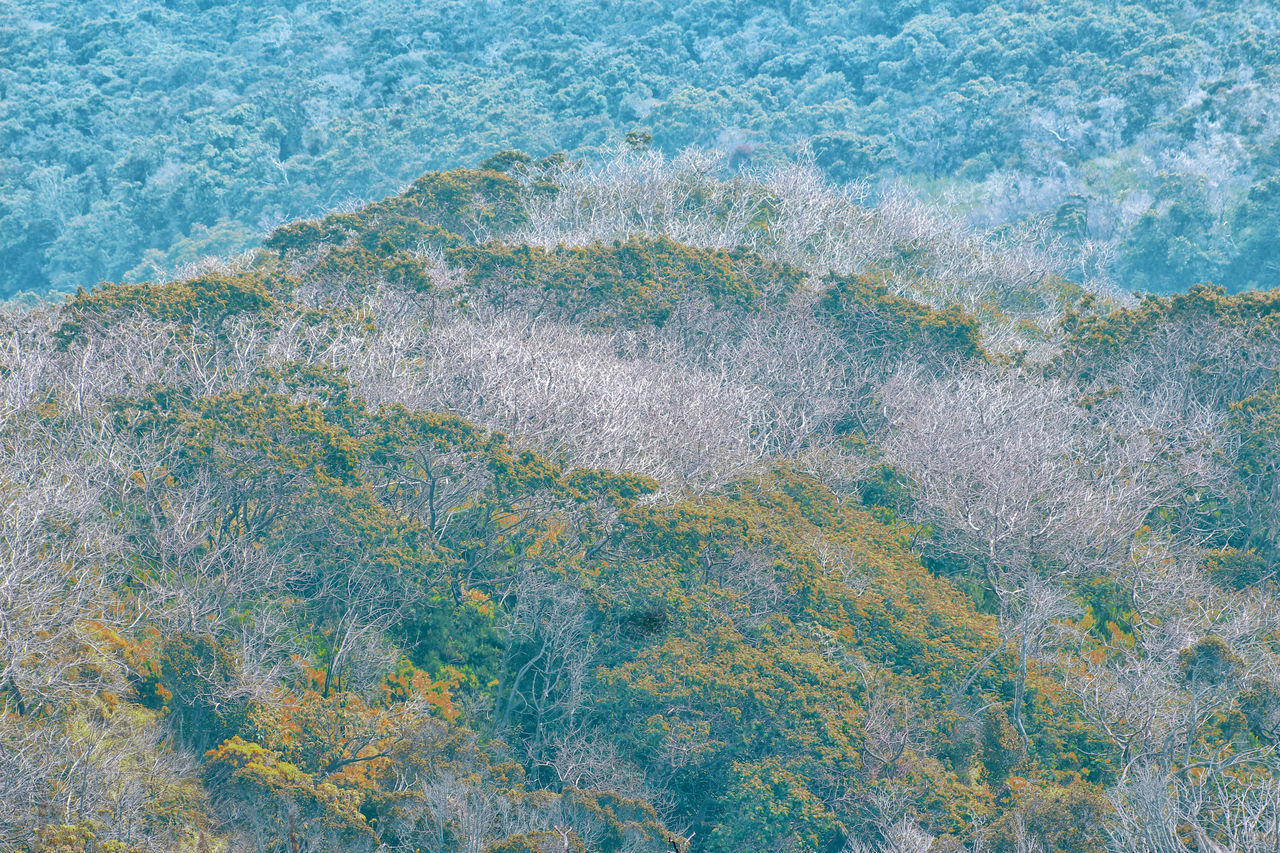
{"x": 138, "y": 135}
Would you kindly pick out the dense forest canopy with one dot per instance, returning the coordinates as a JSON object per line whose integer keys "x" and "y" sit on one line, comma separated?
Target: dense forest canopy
{"x": 543, "y": 508}
{"x": 139, "y": 136}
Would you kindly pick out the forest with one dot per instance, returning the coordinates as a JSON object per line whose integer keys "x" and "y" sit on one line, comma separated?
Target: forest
{"x": 641, "y": 505}
{"x": 139, "y": 136}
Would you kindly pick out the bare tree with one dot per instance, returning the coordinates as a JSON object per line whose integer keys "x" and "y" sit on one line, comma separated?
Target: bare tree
{"x": 1020, "y": 484}
{"x": 545, "y": 664}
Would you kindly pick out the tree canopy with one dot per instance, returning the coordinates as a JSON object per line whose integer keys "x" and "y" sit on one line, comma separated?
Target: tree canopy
{"x": 142, "y": 136}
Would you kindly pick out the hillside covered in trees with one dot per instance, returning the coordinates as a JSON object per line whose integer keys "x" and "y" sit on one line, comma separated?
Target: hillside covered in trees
{"x": 137, "y": 136}
{"x": 547, "y": 508}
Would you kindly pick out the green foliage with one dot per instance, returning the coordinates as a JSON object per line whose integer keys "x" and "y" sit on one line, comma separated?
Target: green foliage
{"x": 208, "y": 300}
{"x": 1238, "y": 570}
{"x": 771, "y": 808}
{"x": 281, "y": 802}
{"x": 740, "y": 643}
{"x": 1209, "y": 662}
{"x": 642, "y": 280}
{"x": 1256, "y": 420}
{"x": 1214, "y": 346}
{"x": 863, "y": 307}
{"x": 429, "y": 214}
{"x": 1095, "y": 335}
{"x": 1179, "y": 239}
{"x": 358, "y": 266}
{"x": 533, "y": 842}
{"x": 197, "y": 676}
{"x": 75, "y": 838}
{"x": 1064, "y": 819}
{"x": 1001, "y": 751}
{"x": 1257, "y": 234}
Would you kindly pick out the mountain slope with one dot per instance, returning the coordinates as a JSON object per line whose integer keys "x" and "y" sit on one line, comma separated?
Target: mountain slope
{"x": 412, "y": 530}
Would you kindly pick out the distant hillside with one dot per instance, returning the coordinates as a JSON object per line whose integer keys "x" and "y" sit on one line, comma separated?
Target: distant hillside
{"x": 397, "y": 536}
{"x": 140, "y": 136}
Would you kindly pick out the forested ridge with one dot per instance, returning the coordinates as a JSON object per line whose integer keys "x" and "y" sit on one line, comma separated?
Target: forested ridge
{"x": 638, "y": 507}
{"x": 138, "y": 136}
